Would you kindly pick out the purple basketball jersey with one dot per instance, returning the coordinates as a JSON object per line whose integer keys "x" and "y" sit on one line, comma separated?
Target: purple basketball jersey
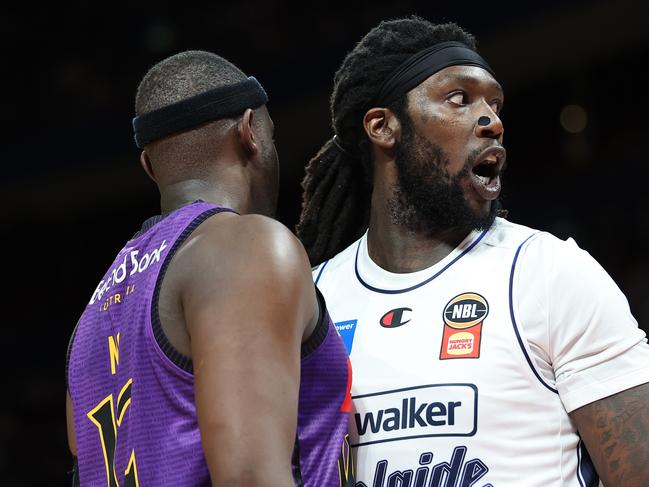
{"x": 133, "y": 393}
{"x": 322, "y": 455}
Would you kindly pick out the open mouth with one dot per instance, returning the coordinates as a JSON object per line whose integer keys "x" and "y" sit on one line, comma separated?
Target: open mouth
{"x": 486, "y": 172}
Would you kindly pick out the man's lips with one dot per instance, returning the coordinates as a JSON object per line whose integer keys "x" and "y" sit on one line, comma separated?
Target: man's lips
{"x": 485, "y": 172}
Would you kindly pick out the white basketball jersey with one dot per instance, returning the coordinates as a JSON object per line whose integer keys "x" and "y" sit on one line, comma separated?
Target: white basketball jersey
{"x": 448, "y": 388}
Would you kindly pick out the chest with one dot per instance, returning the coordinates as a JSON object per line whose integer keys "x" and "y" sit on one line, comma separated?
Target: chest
{"x": 457, "y": 328}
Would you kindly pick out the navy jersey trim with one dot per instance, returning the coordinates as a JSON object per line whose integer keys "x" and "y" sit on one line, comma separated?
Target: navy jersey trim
{"x": 511, "y": 312}
{"x": 296, "y": 465}
{"x": 586, "y": 473}
{"x": 148, "y": 225}
{"x": 321, "y": 328}
{"x": 322, "y": 267}
{"x": 179, "y": 359}
{"x": 411, "y": 288}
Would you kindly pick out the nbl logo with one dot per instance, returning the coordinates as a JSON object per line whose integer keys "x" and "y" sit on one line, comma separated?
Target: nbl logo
{"x": 466, "y": 310}
{"x": 463, "y": 318}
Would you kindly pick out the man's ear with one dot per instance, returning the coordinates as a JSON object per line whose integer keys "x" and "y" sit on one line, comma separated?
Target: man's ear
{"x": 246, "y": 134}
{"x": 382, "y": 127}
{"x": 145, "y": 162}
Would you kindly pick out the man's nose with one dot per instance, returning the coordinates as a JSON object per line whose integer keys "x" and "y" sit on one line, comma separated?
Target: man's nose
{"x": 489, "y": 126}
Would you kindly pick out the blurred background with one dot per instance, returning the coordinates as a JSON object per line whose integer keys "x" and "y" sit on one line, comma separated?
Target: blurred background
{"x": 72, "y": 191}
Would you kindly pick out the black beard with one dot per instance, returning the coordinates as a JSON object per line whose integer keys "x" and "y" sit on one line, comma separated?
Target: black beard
{"x": 427, "y": 199}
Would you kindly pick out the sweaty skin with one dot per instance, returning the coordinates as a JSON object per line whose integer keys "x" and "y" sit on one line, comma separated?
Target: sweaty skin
{"x": 246, "y": 408}
{"x": 239, "y": 287}
{"x": 444, "y": 108}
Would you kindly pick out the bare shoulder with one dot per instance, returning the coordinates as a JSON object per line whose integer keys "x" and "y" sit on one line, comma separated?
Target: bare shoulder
{"x": 260, "y": 230}
{"x": 247, "y": 301}
{"x": 252, "y": 238}
{"x": 249, "y": 250}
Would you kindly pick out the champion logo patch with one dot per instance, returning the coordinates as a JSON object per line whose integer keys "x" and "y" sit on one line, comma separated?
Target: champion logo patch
{"x": 395, "y": 317}
{"x": 463, "y": 318}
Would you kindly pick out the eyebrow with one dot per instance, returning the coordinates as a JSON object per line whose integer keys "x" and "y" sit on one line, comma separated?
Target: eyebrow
{"x": 471, "y": 79}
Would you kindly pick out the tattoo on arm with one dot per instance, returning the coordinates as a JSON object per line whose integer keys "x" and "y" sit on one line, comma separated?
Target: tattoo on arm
{"x": 616, "y": 433}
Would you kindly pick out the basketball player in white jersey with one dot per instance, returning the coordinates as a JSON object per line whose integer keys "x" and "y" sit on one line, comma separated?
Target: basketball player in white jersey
{"x": 485, "y": 353}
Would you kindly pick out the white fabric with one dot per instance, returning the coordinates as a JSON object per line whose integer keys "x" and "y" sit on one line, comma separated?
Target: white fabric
{"x": 578, "y": 323}
{"x": 499, "y": 415}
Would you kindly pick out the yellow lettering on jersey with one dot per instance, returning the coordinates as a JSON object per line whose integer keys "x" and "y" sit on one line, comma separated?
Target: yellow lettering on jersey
{"x": 103, "y": 416}
{"x": 113, "y": 351}
{"x": 118, "y": 298}
{"x": 130, "y": 474}
{"x": 107, "y": 435}
{"x": 346, "y": 464}
{"x": 121, "y": 407}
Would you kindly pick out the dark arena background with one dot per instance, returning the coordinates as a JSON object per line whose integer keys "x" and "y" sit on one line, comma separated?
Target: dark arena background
{"x": 72, "y": 191}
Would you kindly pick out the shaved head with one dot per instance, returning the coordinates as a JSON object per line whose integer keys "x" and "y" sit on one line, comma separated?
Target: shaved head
{"x": 182, "y": 76}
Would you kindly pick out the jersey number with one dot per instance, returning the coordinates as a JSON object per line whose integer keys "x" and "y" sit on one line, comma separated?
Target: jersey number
{"x": 107, "y": 418}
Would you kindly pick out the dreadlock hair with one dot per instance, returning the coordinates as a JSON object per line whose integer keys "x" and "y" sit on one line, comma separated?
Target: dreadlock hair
{"x": 337, "y": 185}
{"x": 177, "y": 78}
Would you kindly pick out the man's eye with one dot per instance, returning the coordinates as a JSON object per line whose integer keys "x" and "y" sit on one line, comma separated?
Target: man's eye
{"x": 458, "y": 98}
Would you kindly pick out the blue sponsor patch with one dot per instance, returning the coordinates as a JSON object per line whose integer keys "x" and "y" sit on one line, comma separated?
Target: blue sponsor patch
{"x": 346, "y": 330}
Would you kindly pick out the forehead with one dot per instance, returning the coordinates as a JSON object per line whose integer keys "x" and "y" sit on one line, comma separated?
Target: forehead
{"x": 466, "y": 76}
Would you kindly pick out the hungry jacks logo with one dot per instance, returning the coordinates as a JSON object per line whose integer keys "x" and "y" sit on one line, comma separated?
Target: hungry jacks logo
{"x": 463, "y": 318}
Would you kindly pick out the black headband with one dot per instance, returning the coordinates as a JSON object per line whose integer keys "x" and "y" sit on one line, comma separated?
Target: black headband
{"x": 420, "y": 66}
{"x": 222, "y": 102}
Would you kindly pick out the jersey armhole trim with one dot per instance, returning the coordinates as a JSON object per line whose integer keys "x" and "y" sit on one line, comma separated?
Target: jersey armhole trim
{"x": 177, "y": 358}
{"x": 586, "y": 473}
{"x": 322, "y": 268}
{"x": 296, "y": 463}
{"x": 513, "y": 317}
{"x": 321, "y": 328}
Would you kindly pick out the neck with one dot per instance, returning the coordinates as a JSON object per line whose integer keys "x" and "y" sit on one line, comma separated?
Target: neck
{"x": 398, "y": 249}
{"x": 179, "y": 194}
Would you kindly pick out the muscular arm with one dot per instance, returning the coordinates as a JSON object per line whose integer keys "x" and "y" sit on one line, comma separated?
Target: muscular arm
{"x": 247, "y": 297}
{"x": 616, "y": 433}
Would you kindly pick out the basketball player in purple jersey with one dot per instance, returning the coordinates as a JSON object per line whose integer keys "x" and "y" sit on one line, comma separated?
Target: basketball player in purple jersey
{"x": 204, "y": 356}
